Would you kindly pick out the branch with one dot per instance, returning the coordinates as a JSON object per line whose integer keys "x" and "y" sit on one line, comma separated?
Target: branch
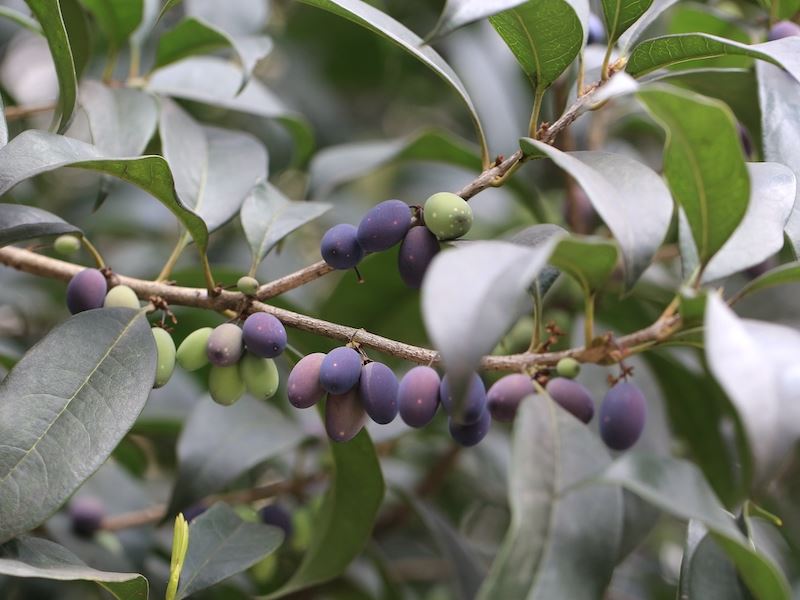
{"x": 13, "y": 113}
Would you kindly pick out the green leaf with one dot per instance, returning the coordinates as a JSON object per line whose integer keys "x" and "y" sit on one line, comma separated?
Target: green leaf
{"x": 697, "y": 18}
{"x": 121, "y": 120}
{"x": 222, "y": 545}
{"x": 85, "y": 382}
{"x": 19, "y": 222}
{"x": 378, "y": 22}
{"x": 563, "y": 540}
{"x": 784, "y": 274}
{"x": 42, "y": 559}
{"x": 703, "y": 163}
{"x": 706, "y": 572}
{"x": 20, "y": 19}
{"x": 619, "y": 15}
{"x": 784, "y": 9}
{"x": 630, "y": 197}
{"x": 345, "y": 519}
{"x": 635, "y": 31}
{"x": 591, "y": 261}
{"x": 268, "y": 216}
{"x": 117, "y": 19}
{"x": 545, "y": 37}
{"x": 168, "y": 6}
{"x": 33, "y": 152}
{"x": 219, "y": 443}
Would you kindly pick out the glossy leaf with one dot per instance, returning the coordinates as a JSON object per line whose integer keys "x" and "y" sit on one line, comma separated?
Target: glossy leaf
{"x": 85, "y": 383}
{"x": 706, "y": 571}
{"x": 219, "y": 443}
{"x": 562, "y": 541}
{"x": 619, "y": 15}
{"x": 121, "y": 120}
{"x": 635, "y": 31}
{"x": 457, "y": 13}
{"x": 19, "y": 222}
{"x": 222, "y": 545}
{"x": 39, "y": 558}
{"x": 117, "y": 19}
{"x": 591, "y": 261}
{"x": 782, "y": 275}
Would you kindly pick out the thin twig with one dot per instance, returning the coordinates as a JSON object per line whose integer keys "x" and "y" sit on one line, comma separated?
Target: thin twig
{"x": 14, "y": 113}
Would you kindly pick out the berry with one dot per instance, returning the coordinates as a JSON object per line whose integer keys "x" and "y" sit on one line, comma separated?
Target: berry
{"x": 302, "y": 386}
{"x": 572, "y": 397}
{"x": 344, "y": 416}
{"x": 247, "y": 285}
{"x": 418, "y": 396}
{"x": 224, "y": 347}
{"x": 783, "y": 29}
{"x": 165, "y": 364}
{"x": 260, "y": 376}
{"x": 472, "y": 433}
{"x": 67, "y": 245}
{"x": 416, "y": 253}
{"x": 121, "y": 296}
{"x": 568, "y": 367}
{"x": 264, "y": 335}
{"x": 340, "y": 370}
{"x": 474, "y": 403}
{"x": 225, "y": 384}
{"x": 277, "y": 516}
{"x": 86, "y": 514}
{"x": 384, "y": 226}
{"x": 194, "y": 511}
{"x": 86, "y": 290}
{"x": 340, "y": 247}
{"x": 597, "y": 33}
{"x": 745, "y": 140}
{"x": 622, "y": 416}
{"x": 505, "y": 395}
{"x": 377, "y": 389}
{"x": 192, "y": 354}
{"x": 447, "y": 215}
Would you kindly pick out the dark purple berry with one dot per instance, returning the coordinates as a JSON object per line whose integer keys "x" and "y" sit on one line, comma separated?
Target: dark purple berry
{"x": 277, "y": 516}
{"x": 225, "y": 346}
{"x": 194, "y": 511}
{"x": 303, "y": 387}
{"x": 504, "y": 396}
{"x": 418, "y": 396}
{"x": 472, "y": 433}
{"x": 340, "y": 370}
{"x": 86, "y": 514}
{"x": 745, "y": 140}
{"x": 416, "y": 253}
{"x": 86, "y": 290}
{"x": 573, "y": 397}
{"x": 344, "y": 416}
{"x": 473, "y": 405}
{"x": 264, "y": 335}
{"x": 384, "y": 225}
{"x": 340, "y": 247}
{"x": 377, "y": 389}
{"x": 622, "y": 416}
{"x": 597, "y": 33}
{"x": 783, "y": 29}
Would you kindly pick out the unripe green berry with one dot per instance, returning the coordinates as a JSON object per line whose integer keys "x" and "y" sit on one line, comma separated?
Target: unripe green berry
{"x": 166, "y": 356}
{"x": 247, "y": 285}
{"x": 192, "y": 353}
{"x": 447, "y": 215}
{"x": 121, "y": 296}
{"x": 67, "y": 245}
{"x": 260, "y": 376}
{"x": 568, "y": 367}
{"x": 225, "y": 384}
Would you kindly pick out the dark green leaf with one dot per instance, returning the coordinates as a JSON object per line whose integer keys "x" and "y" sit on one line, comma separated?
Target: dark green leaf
{"x": 706, "y": 571}
{"x": 121, "y": 120}
{"x": 785, "y": 9}
{"x": 697, "y": 18}
{"x": 788, "y": 273}
{"x": 590, "y": 261}
{"x": 457, "y": 13}
{"x": 65, "y": 406}
{"x": 621, "y": 14}
{"x": 42, "y": 559}
{"x": 20, "y": 19}
{"x": 77, "y": 27}
{"x": 635, "y": 31}
{"x": 19, "y": 222}
{"x": 222, "y": 545}
{"x": 117, "y": 19}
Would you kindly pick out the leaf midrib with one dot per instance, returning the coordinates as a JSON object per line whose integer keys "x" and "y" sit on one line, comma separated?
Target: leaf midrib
{"x": 536, "y": 58}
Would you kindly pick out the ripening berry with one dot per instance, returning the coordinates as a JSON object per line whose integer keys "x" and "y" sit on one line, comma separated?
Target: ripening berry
{"x": 247, "y": 285}
{"x": 447, "y": 215}
{"x": 504, "y": 396}
{"x": 416, "y": 254}
{"x": 473, "y": 405}
{"x": 225, "y": 384}
{"x": 67, "y": 245}
{"x": 472, "y": 433}
{"x": 277, "y": 516}
{"x": 264, "y": 335}
{"x": 377, "y": 389}
{"x": 192, "y": 353}
{"x": 340, "y": 247}
{"x": 86, "y": 515}
{"x": 384, "y": 225}
{"x": 573, "y": 397}
{"x": 165, "y": 363}
{"x": 344, "y": 416}
{"x": 622, "y": 416}
{"x": 260, "y": 376}
{"x": 86, "y": 290}
{"x": 568, "y": 367}
{"x": 597, "y": 33}
{"x": 121, "y": 296}
{"x": 418, "y": 396}
{"x": 225, "y": 347}
{"x": 303, "y": 387}
{"x": 340, "y": 370}
{"x": 783, "y": 29}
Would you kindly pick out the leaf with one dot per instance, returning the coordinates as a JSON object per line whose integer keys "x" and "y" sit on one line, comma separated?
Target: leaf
{"x": 345, "y": 519}
{"x": 268, "y": 216}
{"x": 20, "y": 19}
{"x": 219, "y": 443}
{"x": 545, "y": 36}
{"x": 222, "y": 545}
{"x": 121, "y": 120}
{"x": 785, "y": 9}
{"x": 619, "y": 15}
{"x": 635, "y": 31}
{"x": 168, "y": 6}
{"x": 457, "y": 13}
{"x": 34, "y": 557}
{"x": 214, "y": 169}
{"x": 591, "y": 261}
{"x": 706, "y": 572}
{"x": 788, "y": 273}
{"x": 562, "y": 542}
{"x": 19, "y": 222}
{"x": 630, "y": 197}
{"x": 34, "y": 152}
{"x": 533, "y": 237}
{"x": 703, "y": 163}
{"x": 378, "y": 22}
{"x": 85, "y": 382}
{"x": 117, "y": 19}
{"x": 245, "y": 17}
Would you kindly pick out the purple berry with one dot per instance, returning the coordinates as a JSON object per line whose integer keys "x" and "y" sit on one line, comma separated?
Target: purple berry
{"x": 416, "y": 253}
{"x": 473, "y": 405}
{"x": 472, "y": 433}
{"x": 384, "y": 225}
{"x": 277, "y": 516}
{"x": 86, "y": 514}
{"x": 194, "y": 511}
{"x": 505, "y": 395}
{"x": 573, "y": 397}
{"x": 783, "y": 29}
{"x": 302, "y": 386}
{"x": 86, "y": 290}
{"x": 264, "y": 335}
{"x": 340, "y": 370}
{"x": 224, "y": 347}
{"x": 344, "y": 416}
{"x": 418, "y": 396}
{"x": 340, "y": 247}
{"x": 622, "y": 416}
{"x": 377, "y": 389}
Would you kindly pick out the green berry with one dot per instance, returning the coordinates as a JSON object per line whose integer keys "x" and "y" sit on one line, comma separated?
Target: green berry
{"x": 568, "y": 367}
{"x": 166, "y": 356}
{"x": 192, "y": 353}
{"x": 67, "y": 245}
{"x": 260, "y": 376}
{"x": 121, "y": 296}
{"x": 247, "y": 285}
{"x": 225, "y": 384}
{"x": 447, "y": 215}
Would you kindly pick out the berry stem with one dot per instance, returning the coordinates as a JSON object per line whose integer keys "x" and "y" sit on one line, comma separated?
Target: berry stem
{"x": 98, "y": 258}
{"x": 166, "y": 270}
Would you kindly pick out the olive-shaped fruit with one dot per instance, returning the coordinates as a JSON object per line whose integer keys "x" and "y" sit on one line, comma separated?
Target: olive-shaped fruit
{"x": 417, "y": 251}
{"x": 264, "y": 335}
{"x": 225, "y": 346}
{"x": 473, "y": 404}
{"x": 260, "y": 376}
{"x": 377, "y": 389}
{"x": 447, "y": 215}
{"x": 783, "y": 29}
{"x": 340, "y": 370}
{"x": 622, "y": 416}
{"x": 86, "y": 290}
{"x": 472, "y": 433}
{"x": 418, "y": 396}
{"x": 572, "y": 397}
{"x": 67, "y": 245}
{"x": 192, "y": 353}
{"x": 247, "y": 285}
{"x": 165, "y": 363}
{"x": 340, "y": 247}
{"x": 303, "y": 387}
{"x": 344, "y": 416}
{"x": 568, "y": 367}
{"x": 506, "y": 393}
{"x": 276, "y": 515}
{"x": 121, "y": 296}
{"x": 86, "y": 515}
{"x": 384, "y": 225}
{"x": 225, "y": 384}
